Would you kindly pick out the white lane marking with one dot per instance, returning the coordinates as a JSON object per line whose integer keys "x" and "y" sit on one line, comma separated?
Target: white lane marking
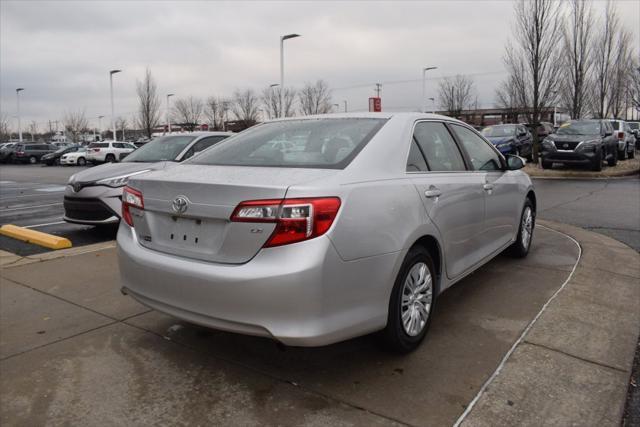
{"x": 522, "y": 335}
{"x": 7, "y": 182}
{"x": 45, "y": 224}
{"x": 52, "y": 189}
{"x": 30, "y": 207}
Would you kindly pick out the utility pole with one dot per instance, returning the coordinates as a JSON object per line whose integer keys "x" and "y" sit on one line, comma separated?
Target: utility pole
{"x": 113, "y": 119}
{"x": 345, "y": 105}
{"x": 378, "y": 89}
{"x": 18, "y": 90}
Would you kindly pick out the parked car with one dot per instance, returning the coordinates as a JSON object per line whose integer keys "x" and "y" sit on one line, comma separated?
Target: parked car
{"x": 510, "y": 139}
{"x": 30, "y": 153}
{"x": 357, "y": 230}
{"x": 93, "y": 196}
{"x": 108, "y": 151}
{"x": 635, "y": 129}
{"x": 6, "y": 152}
{"x": 626, "y": 139}
{"x": 77, "y": 157}
{"x": 581, "y": 142}
{"x": 54, "y": 158}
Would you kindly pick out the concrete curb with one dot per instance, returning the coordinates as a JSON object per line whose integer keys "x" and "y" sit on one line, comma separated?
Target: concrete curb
{"x": 556, "y": 174}
{"x": 8, "y": 259}
{"x": 573, "y": 362}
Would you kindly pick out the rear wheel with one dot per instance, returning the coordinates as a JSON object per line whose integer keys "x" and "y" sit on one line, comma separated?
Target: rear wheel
{"x": 81, "y": 161}
{"x": 612, "y": 160}
{"x": 632, "y": 153}
{"x": 110, "y": 158}
{"x": 412, "y": 301}
{"x": 622, "y": 155}
{"x": 57, "y": 161}
{"x": 33, "y": 160}
{"x": 520, "y": 248}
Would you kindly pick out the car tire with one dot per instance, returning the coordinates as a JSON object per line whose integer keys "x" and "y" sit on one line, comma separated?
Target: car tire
{"x": 520, "y": 248}
{"x": 81, "y": 161}
{"x": 110, "y": 158}
{"x": 622, "y": 155}
{"x": 596, "y": 164}
{"x": 613, "y": 159}
{"x": 546, "y": 164}
{"x": 410, "y": 302}
{"x": 33, "y": 160}
{"x": 632, "y": 154}
{"x": 56, "y": 162}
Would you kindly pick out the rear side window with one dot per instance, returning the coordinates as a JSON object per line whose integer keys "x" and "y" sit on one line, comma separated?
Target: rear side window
{"x": 438, "y": 147}
{"x": 482, "y": 156}
{"x": 416, "y": 162}
{"x": 311, "y": 143}
{"x": 99, "y": 145}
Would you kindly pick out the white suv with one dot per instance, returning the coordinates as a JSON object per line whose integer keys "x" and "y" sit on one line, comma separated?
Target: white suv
{"x": 108, "y": 151}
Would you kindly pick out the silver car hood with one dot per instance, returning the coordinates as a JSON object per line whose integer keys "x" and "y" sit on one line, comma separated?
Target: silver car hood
{"x": 110, "y": 170}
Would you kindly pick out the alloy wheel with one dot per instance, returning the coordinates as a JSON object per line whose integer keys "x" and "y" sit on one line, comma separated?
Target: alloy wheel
{"x": 417, "y": 295}
{"x": 526, "y": 226}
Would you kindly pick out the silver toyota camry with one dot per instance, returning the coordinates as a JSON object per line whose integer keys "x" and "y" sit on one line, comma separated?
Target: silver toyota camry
{"x": 318, "y": 229}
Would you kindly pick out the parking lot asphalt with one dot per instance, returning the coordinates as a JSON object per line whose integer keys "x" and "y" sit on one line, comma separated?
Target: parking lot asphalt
{"x": 75, "y": 351}
{"x": 31, "y": 196}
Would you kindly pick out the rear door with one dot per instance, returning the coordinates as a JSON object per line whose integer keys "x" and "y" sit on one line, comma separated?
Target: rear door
{"x": 452, "y": 195}
{"x": 501, "y": 190}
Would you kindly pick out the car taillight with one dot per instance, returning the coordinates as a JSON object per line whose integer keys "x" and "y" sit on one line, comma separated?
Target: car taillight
{"x": 131, "y": 198}
{"x": 620, "y": 135}
{"x": 296, "y": 219}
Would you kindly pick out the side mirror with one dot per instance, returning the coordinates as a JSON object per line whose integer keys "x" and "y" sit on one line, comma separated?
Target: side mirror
{"x": 514, "y": 162}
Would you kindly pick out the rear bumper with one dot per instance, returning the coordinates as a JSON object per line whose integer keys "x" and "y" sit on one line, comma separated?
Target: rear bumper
{"x": 301, "y": 294}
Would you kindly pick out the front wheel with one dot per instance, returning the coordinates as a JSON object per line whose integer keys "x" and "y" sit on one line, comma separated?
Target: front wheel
{"x": 612, "y": 160}
{"x": 110, "y": 158}
{"x": 81, "y": 161}
{"x": 520, "y": 248}
{"x": 596, "y": 164}
{"x": 33, "y": 160}
{"x": 412, "y": 301}
{"x": 632, "y": 153}
{"x": 622, "y": 155}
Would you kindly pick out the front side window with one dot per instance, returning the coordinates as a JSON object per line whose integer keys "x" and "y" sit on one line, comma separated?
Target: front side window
{"x": 438, "y": 147}
{"x": 310, "y": 143}
{"x": 482, "y": 156}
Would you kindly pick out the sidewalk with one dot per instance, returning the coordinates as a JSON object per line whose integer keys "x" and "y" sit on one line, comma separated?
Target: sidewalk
{"x": 75, "y": 351}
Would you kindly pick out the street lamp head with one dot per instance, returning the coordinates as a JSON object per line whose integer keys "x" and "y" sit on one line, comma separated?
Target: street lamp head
{"x": 100, "y": 117}
{"x": 289, "y": 36}
{"x": 429, "y": 68}
{"x": 112, "y": 72}
{"x": 20, "y": 89}
{"x": 170, "y": 94}
{"x": 274, "y": 84}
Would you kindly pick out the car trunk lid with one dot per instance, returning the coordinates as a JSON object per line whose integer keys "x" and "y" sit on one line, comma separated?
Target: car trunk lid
{"x": 187, "y": 209}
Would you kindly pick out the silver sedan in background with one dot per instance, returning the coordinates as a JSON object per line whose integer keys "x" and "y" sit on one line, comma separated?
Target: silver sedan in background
{"x": 93, "y": 196}
{"x": 318, "y": 229}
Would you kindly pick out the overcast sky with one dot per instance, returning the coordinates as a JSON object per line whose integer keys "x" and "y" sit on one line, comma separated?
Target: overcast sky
{"x": 61, "y": 52}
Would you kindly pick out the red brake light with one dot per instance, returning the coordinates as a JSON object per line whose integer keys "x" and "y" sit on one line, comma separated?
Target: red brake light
{"x": 296, "y": 219}
{"x": 620, "y": 135}
{"x": 131, "y": 198}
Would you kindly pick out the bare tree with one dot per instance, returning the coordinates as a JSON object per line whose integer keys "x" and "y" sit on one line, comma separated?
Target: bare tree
{"x": 245, "y": 107}
{"x": 456, "y": 94}
{"x": 121, "y": 124}
{"x": 271, "y": 101}
{"x": 188, "y": 112}
{"x": 605, "y": 46}
{"x": 634, "y": 88}
{"x": 315, "y": 98}
{"x": 5, "y": 132}
{"x": 33, "y": 130}
{"x": 148, "y": 103}
{"x": 75, "y": 122}
{"x": 532, "y": 61}
{"x": 621, "y": 73}
{"x": 215, "y": 112}
{"x": 575, "y": 88}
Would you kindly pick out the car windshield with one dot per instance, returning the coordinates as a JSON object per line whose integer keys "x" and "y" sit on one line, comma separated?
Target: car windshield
{"x": 634, "y": 125}
{"x": 65, "y": 150}
{"x": 161, "y": 149}
{"x": 501, "y": 130}
{"x": 616, "y": 125}
{"x": 319, "y": 143}
{"x": 579, "y": 128}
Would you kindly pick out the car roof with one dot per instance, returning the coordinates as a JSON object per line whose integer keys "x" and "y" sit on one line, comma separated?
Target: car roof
{"x": 369, "y": 115}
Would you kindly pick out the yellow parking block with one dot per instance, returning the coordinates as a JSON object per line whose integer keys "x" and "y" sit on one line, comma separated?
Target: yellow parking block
{"x": 36, "y": 237}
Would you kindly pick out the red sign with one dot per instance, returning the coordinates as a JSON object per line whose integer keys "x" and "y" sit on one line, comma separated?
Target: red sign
{"x": 375, "y": 104}
{"x": 204, "y": 127}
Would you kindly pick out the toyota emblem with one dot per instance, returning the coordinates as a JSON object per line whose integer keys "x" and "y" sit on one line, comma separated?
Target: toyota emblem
{"x": 77, "y": 186}
{"x": 180, "y": 204}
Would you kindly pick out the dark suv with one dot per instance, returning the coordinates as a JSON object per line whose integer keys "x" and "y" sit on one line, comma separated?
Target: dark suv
{"x": 581, "y": 142}
{"x": 31, "y": 153}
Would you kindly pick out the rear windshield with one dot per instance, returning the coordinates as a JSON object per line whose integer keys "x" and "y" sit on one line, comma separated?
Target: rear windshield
{"x": 634, "y": 125}
{"x": 501, "y": 130}
{"x": 311, "y": 143}
{"x": 99, "y": 145}
{"x": 160, "y": 149}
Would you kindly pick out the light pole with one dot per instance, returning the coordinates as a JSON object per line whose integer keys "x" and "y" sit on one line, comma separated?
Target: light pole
{"x": 424, "y": 80}
{"x": 433, "y": 104}
{"x": 555, "y": 102}
{"x": 345, "y": 105}
{"x": 20, "y": 89}
{"x": 282, "y": 39}
{"x": 100, "y": 126}
{"x": 113, "y": 121}
{"x": 169, "y": 95}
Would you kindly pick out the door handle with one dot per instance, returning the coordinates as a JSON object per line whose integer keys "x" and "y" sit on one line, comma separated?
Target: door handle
{"x": 432, "y": 192}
